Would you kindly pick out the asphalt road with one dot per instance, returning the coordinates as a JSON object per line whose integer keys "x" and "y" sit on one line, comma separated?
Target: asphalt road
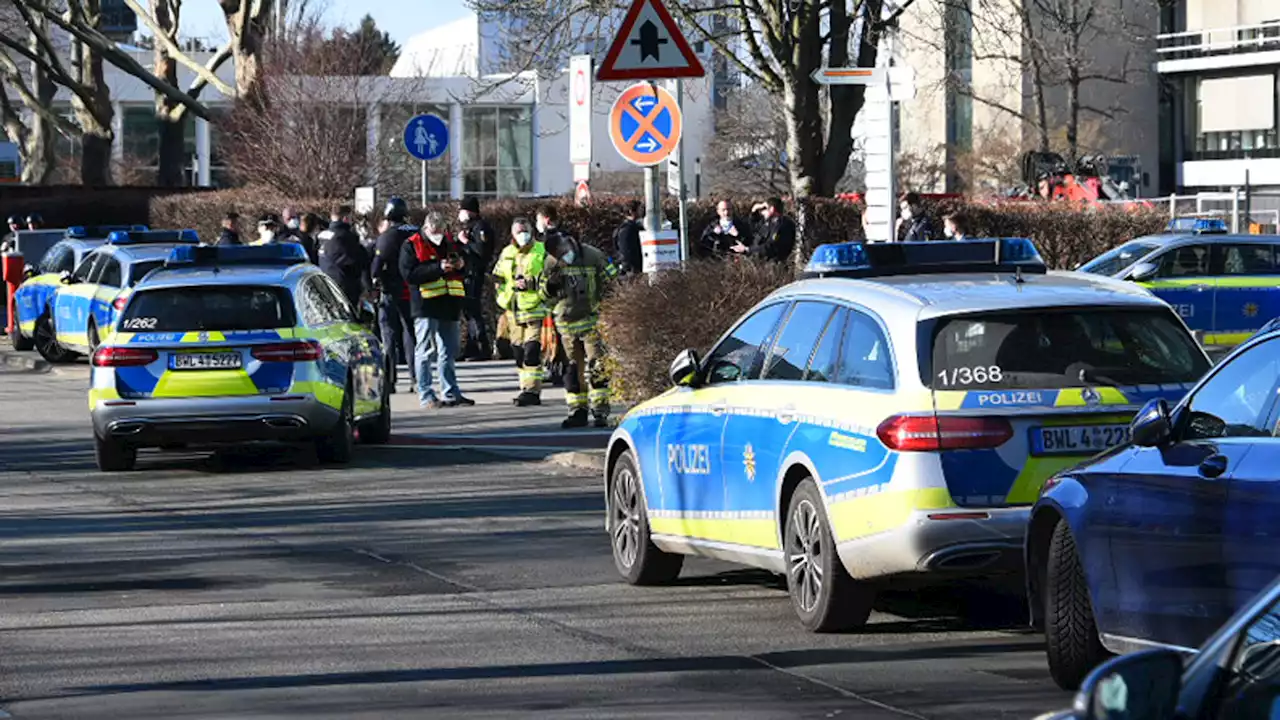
{"x": 421, "y": 582}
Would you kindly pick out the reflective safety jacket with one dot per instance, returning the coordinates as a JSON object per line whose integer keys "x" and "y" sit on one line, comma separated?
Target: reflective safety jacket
{"x": 574, "y": 291}
{"x": 435, "y": 293}
{"x": 513, "y": 264}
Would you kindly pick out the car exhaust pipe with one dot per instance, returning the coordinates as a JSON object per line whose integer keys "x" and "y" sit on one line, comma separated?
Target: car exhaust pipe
{"x": 124, "y": 429}
{"x": 283, "y": 423}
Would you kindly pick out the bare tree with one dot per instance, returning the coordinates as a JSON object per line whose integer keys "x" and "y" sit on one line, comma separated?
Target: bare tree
{"x": 749, "y": 146}
{"x": 34, "y": 132}
{"x": 307, "y": 133}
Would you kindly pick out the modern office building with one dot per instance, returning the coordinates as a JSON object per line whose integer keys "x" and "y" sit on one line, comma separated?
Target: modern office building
{"x": 1219, "y": 68}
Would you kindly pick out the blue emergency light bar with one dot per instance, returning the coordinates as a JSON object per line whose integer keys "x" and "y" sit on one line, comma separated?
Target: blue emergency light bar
{"x": 1199, "y": 226}
{"x": 80, "y": 232}
{"x": 218, "y": 255}
{"x": 858, "y": 259}
{"x": 153, "y": 237}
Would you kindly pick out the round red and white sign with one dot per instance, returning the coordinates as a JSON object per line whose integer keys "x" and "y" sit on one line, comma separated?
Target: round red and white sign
{"x": 580, "y": 88}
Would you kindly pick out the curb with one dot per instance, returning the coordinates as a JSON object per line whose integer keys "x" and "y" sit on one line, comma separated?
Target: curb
{"x": 579, "y": 459}
{"x": 25, "y": 362}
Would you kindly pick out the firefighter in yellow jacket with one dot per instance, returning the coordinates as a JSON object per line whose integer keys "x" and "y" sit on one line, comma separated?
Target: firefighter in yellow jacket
{"x": 518, "y": 271}
{"x": 573, "y": 283}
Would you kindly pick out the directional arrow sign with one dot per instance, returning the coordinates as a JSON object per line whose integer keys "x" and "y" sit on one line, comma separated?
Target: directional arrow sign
{"x": 848, "y": 76}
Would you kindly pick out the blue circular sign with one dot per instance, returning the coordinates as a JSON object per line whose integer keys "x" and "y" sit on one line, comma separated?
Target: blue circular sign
{"x": 426, "y": 137}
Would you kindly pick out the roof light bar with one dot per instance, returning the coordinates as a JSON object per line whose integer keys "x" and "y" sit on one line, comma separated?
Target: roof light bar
{"x": 858, "y": 259}
{"x": 153, "y": 237}
{"x": 216, "y": 255}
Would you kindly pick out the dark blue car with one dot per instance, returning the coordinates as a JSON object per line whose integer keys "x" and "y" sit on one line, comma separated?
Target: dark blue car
{"x": 1158, "y": 541}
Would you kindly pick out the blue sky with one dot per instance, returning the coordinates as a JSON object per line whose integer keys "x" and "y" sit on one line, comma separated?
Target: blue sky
{"x": 202, "y": 18}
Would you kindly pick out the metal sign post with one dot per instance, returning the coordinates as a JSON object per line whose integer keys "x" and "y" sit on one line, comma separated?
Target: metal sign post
{"x": 685, "y": 245}
{"x": 426, "y": 137}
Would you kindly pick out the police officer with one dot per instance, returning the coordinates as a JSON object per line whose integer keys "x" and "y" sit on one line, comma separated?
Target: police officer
{"x": 10, "y": 242}
{"x": 477, "y": 239}
{"x": 573, "y": 284}
{"x": 268, "y": 230}
{"x": 519, "y": 267}
{"x": 394, "y": 316}
{"x": 35, "y": 221}
{"x": 230, "y": 234}
{"x": 342, "y": 257}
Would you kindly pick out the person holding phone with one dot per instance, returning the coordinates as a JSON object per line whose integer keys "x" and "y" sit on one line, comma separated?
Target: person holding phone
{"x": 727, "y": 235}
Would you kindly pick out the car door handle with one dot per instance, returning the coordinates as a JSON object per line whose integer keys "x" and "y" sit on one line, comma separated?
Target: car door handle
{"x": 787, "y": 414}
{"x": 1213, "y": 466}
{"x": 719, "y": 409}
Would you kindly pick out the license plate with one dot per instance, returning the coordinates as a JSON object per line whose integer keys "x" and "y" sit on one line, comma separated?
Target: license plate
{"x": 206, "y": 361}
{"x": 1077, "y": 439}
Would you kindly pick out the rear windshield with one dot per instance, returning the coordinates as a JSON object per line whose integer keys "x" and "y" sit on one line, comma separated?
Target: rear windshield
{"x": 140, "y": 270}
{"x": 1056, "y": 348}
{"x": 1117, "y": 259}
{"x": 208, "y": 308}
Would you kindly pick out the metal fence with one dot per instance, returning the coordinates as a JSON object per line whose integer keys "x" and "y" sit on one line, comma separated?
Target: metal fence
{"x": 1245, "y": 212}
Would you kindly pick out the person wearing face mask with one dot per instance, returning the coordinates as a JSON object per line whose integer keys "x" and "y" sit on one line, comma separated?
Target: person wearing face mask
{"x": 477, "y": 240}
{"x": 777, "y": 236}
{"x": 432, "y": 263}
{"x": 342, "y": 257}
{"x": 913, "y": 223}
{"x": 572, "y": 285}
{"x": 726, "y": 235}
{"x": 953, "y": 227}
{"x": 517, "y": 272}
{"x": 395, "y": 318}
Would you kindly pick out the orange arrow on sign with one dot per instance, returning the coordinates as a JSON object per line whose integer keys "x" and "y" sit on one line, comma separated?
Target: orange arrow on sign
{"x": 848, "y": 76}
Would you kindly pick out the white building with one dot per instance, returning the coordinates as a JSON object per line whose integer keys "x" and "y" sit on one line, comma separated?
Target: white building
{"x": 1219, "y": 66}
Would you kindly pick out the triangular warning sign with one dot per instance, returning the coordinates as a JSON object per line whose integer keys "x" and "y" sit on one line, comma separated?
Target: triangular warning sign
{"x": 649, "y": 46}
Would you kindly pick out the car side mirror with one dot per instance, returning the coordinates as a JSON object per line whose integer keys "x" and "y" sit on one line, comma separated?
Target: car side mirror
{"x": 1143, "y": 271}
{"x": 1141, "y": 686}
{"x": 1152, "y": 426}
{"x": 66, "y": 278}
{"x": 684, "y": 369}
{"x": 29, "y": 272}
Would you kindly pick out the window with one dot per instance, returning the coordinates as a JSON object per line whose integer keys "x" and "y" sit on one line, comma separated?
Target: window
{"x": 1117, "y": 259}
{"x": 140, "y": 138}
{"x": 335, "y": 302}
{"x": 864, "y": 355}
{"x": 1059, "y": 348}
{"x": 1188, "y": 261}
{"x": 740, "y": 355}
{"x": 59, "y": 259}
{"x": 109, "y": 272}
{"x": 790, "y": 354}
{"x": 84, "y": 272}
{"x": 1235, "y": 400}
{"x": 218, "y": 307}
{"x": 497, "y": 150}
{"x": 822, "y": 366}
{"x": 1251, "y": 259}
{"x": 139, "y": 270}
{"x": 1252, "y": 688}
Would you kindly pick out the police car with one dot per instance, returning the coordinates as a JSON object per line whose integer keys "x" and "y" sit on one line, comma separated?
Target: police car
{"x": 65, "y": 315}
{"x": 1224, "y": 286}
{"x": 233, "y": 345}
{"x": 896, "y": 413}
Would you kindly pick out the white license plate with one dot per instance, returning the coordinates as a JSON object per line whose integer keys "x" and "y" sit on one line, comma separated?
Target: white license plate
{"x": 1077, "y": 439}
{"x": 206, "y": 361}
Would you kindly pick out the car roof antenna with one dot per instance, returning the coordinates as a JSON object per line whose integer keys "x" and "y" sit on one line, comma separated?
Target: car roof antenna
{"x": 1017, "y": 274}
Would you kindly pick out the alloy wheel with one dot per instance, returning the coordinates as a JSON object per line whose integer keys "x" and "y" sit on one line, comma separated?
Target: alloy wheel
{"x": 804, "y": 555}
{"x": 626, "y": 517}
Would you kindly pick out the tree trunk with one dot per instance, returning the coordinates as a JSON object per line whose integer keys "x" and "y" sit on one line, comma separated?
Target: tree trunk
{"x": 846, "y": 101}
{"x": 173, "y": 159}
{"x": 1037, "y": 76}
{"x": 38, "y": 142}
{"x": 95, "y": 115}
{"x": 248, "y": 29}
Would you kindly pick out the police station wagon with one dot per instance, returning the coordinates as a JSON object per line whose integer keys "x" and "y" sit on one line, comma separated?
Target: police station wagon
{"x": 896, "y": 413}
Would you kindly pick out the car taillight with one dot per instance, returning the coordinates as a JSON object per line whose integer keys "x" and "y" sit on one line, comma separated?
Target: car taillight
{"x": 120, "y": 302}
{"x": 300, "y": 351}
{"x": 110, "y": 356}
{"x": 914, "y": 433}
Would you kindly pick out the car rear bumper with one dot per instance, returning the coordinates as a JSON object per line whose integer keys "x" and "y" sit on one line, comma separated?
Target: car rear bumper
{"x": 213, "y": 421}
{"x": 954, "y": 541}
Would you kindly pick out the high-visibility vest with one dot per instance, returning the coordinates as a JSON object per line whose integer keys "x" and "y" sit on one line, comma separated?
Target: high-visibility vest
{"x": 450, "y": 283}
{"x": 527, "y": 304}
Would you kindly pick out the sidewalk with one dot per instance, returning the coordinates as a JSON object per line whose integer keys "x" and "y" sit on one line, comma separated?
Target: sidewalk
{"x": 494, "y": 424}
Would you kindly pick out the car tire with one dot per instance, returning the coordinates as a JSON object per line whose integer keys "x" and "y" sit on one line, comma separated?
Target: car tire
{"x": 378, "y": 430}
{"x": 46, "y": 341}
{"x": 113, "y": 455}
{"x": 1071, "y": 633}
{"x": 336, "y": 445}
{"x": 638, "y": 560}
{"x": 20, "y": 342}
{"x": 825, "y": 597}
{"x": 91, "y": 333}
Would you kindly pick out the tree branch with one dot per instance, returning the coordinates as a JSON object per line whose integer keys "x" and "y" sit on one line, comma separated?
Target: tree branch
{"x": 176, "y": 53}
{"x": 13, "y": 75}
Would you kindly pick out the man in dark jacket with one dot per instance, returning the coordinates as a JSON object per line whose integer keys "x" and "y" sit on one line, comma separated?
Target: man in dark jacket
{"x": 394, "y": 316}
{"x": 913, "y": 222}
{"x": 342, "y": 257}
{"x": 308, "y": 228}
{"x": 626, "y": 240}
{"x": 434, "y": 265}
{"x": 778, "y": 235}
{"x": 477, "y": 240}
{"x": 230, "y": 234}
{"x": 727, "y": 234}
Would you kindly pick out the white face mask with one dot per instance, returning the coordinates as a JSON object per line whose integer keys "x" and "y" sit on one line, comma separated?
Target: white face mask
{"x": 906, "y": 212}
{"x": 267, "y": 235}
{"x": 524, "y": 238}
{"x": 542, "y": 225}
{"x": 949, "y": 231}
{"x": 463, "y": 216}
{"x": 569, "y": 257}
{"x": 435, "y": 238}
{"x": 293, "y": 223}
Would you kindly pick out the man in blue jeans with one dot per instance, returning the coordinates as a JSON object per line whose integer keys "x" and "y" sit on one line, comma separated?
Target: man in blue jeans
{"x": 432, "y": 264}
